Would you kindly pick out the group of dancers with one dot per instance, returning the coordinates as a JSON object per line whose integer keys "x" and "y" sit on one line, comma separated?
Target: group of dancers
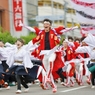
{"x": 47, "y": 59}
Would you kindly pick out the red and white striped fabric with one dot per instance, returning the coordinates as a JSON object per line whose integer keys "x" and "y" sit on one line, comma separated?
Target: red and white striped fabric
{"x": 85, "y": 13}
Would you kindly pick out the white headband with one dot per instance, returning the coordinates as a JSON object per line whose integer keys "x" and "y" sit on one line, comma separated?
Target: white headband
{"x": 47, "y": 22}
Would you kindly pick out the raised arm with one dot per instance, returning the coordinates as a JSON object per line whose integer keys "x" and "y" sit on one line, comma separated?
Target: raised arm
{"x": 35, "y": 29}
{"x": 30, "y": 46}
{"x": 62, "y": 30}
{"x": 84, "y": 49}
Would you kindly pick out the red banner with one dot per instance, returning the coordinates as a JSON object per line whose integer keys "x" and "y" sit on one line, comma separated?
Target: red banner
{"x": 17, "y": 14}
{"x": 91, "y": 5}
{"x": 88, "y": 28}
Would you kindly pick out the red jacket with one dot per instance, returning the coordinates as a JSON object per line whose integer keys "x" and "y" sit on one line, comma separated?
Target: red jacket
{"x": 56, "y": 30}
{"x": 53, "y": 39}
{"x": 69, "y": 54}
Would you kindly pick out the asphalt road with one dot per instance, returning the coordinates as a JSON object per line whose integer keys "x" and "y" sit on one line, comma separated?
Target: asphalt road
{"x": 35, "y": 89}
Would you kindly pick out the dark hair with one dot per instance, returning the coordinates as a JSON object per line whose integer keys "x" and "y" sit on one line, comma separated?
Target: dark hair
{"x": 82, "y": 39}
{"x": 77, "y": 39}
{"x": 70, "y": 38}
{"x": 21, "y": 40}
{"x": 2, "y": 41}
{"x": 48, "y": 20}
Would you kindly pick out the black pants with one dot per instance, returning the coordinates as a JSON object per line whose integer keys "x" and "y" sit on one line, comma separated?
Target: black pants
{"x": 20, "y": 80}
{"x": 38, "y": 62}
{"x": 59, "y": 72}
{"x": 5, "y": 67}
{"x": 93, "y": 78}
{"x": 12, "y": 78}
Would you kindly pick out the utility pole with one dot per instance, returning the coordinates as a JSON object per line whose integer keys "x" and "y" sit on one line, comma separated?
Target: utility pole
{"x": 72, "y": 23}
{"x": 72, "y": 26}
{"x": 52, "y": 5}
{"x": 65, "y": 12}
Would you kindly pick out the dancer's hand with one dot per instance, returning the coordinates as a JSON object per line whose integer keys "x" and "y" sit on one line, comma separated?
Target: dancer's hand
{"x": 7, "y": 70}
{"x": 26, "y": 70}
{"x": 55, "y": 38}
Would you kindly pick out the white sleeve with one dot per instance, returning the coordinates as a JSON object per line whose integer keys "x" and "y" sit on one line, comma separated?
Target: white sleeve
{"x": 27, "y": 27}
{"x": 26, "y": 60}
{"x": 10, "y": 60}
{"x": 7, "y": 44}
{"x": 84, "y": 49}
{"x": 30, "y": 46}
{"x": 69, "y": 29}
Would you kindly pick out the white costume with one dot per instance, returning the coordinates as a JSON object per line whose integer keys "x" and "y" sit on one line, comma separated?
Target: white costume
{"x": 20, "y": 55}
{"x": 24, "y": 55}
{"x": 4, "y": 52}
{"x": 28, "y": 47}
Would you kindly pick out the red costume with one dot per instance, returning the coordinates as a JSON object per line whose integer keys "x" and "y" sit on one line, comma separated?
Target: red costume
{"x": 52, "y": 40}
{"x": 55, "y": 30}
{"x": 41, "y": 39}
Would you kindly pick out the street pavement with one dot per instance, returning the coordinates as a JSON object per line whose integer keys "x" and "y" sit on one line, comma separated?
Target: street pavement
{"x": 35, "y": 89}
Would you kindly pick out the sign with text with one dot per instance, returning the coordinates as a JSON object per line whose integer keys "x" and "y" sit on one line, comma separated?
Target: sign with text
{"x": 17, "y": 14}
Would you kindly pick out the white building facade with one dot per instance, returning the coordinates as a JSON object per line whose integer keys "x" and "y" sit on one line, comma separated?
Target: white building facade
{"x": 60, "y": 12}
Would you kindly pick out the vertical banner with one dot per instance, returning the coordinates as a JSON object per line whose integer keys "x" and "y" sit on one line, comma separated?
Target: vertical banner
{"x": 17, "y": 14}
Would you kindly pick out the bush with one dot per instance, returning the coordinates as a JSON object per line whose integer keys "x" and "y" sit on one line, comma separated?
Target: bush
{"x": 29, "y": 37}
{"x": 6, "y": 37}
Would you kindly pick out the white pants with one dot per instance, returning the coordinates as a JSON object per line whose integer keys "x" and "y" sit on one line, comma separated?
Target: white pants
{"x": 48, "y": 62}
